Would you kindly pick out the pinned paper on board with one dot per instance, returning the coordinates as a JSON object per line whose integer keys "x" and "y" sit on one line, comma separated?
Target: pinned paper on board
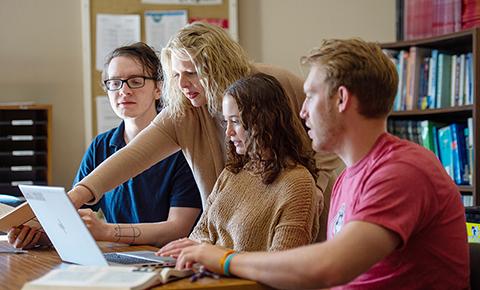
{"x": 114, "y": 31}
{"x": 161, "y": 25}
{"x": 184, "y": 2}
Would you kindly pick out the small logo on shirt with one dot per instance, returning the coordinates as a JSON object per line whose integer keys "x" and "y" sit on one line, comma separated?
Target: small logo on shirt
{"x": 338, "y": 220}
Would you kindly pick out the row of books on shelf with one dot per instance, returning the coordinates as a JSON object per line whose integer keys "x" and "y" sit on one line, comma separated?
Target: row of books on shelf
{"x": 430, "y": 79}
{"x": 451, "y": 143}
{"x": 427, "y": 18}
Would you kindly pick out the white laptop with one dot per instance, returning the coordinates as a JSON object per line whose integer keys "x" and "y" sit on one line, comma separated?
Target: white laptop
{"x": 71, "y": 237}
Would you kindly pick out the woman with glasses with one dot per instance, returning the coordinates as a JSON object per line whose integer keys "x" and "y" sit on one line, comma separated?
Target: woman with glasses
{"x": 264, "y": 200}
{"x": 163, "y": 202}
{"x": 199, "y": 63}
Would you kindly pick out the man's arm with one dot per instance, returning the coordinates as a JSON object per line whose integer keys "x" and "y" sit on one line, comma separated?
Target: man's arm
{"x": 178, "y": 224}
{"x": 338, "y": 261}
{"x": 352, "y": 252}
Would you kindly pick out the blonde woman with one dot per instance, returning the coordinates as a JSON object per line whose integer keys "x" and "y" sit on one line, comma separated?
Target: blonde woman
{"x": 199, "y": 63}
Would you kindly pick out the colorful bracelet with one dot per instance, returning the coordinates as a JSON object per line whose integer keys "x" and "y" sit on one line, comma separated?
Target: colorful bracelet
{"x": 224, "y": 257}
{"x": 226, "y": 266}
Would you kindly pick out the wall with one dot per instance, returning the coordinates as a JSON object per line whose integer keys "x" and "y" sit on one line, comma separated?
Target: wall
{"x": 281, "y": 31}
{"x": 41, "y": 61}
{"x": 41, "y": 52}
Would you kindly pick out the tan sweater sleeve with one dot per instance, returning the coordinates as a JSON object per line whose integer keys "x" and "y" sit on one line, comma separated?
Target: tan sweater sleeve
{"x": 299, "y": 217}
{"x": 153, "y": 144}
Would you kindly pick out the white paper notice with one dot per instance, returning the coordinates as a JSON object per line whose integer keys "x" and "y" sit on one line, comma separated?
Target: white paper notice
{"x": 161, "y": 25}
{"x": 106, "y": 117}
{"x": 184, "y": 2}
{"x": 114, "y": 31}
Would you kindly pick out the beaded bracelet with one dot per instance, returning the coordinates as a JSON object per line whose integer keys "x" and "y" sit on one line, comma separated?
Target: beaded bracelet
{"x": 224, "y": 257}
{"x": 226, "y": 266}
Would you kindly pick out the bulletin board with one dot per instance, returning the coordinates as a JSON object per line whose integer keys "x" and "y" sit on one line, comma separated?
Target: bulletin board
{"x": 226, "y": 9}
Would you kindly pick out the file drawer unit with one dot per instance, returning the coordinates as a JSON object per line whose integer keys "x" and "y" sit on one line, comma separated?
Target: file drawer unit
{"x": 25, "y": 146}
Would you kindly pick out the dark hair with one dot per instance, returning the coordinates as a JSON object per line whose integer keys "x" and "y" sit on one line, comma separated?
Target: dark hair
{"x": 142, "y": 54}
{"x": 275, "y": 136}
{"x": 363, "y": 68}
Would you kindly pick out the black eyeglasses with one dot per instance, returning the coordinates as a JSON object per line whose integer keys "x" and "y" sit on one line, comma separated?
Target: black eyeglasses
{"x": 133, "y": 83}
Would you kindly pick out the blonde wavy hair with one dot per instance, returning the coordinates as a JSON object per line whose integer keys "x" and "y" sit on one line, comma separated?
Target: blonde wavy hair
{"x": 218, "y": 60}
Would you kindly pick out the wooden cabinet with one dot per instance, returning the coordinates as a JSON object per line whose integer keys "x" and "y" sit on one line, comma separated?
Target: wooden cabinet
{"x": 25, "y": 146}
{"x": 439, "y": 85}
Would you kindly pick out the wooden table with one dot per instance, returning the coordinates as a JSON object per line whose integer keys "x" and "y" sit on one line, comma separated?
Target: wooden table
{"x": 16, "y": 269}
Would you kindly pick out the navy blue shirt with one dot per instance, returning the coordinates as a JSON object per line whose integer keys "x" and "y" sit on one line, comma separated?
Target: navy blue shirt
{"x": 148, "y": 196}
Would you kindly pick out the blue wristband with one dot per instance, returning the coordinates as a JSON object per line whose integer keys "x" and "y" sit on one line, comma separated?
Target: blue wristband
{"x": 226, "y": 265}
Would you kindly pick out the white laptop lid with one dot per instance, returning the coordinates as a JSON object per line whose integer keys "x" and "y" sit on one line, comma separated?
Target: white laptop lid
{"x": 63, "y": 225}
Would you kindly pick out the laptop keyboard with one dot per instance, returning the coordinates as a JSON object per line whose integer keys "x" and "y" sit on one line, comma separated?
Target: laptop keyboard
{"x": 126, "y": 260}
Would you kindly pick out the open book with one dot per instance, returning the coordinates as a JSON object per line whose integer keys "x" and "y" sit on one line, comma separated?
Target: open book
{"x": 15, "y": 216}
{"x": 104, "y": 278}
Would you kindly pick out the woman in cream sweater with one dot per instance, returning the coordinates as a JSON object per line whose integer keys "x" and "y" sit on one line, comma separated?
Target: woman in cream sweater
{"x": 199, "y": 63}
{"x": 264, "y": 200}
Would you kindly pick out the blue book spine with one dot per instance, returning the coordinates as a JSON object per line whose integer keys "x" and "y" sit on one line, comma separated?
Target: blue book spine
{"x": 398, "y": 98}
{"x": 445, "y": 144}
{"x": 432, "y": 79}
{"x": 436, "y": 145}
{"x": 469, "y": 79}
{"x": 403, "y": 92}
{"x": 468, "y": 168}
{"x": 460, "y": 163}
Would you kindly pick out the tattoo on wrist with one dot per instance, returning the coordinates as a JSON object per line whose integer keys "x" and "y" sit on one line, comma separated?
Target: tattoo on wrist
{"x": 124, "y": 232}
{"x": 116, "y": 233}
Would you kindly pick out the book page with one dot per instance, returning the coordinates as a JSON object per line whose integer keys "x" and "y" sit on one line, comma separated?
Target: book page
{"x": 113, "y": 31}
{"x": 96, "y": 277}
{"x": 18, "y": 216}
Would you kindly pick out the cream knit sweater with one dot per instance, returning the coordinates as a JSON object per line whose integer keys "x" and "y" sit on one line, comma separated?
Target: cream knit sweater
{"x": 246, "y": 215}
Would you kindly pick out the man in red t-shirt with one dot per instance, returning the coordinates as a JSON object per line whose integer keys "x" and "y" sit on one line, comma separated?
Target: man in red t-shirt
{"x": 403, "y": 189}
{"x": 396, "y": 219}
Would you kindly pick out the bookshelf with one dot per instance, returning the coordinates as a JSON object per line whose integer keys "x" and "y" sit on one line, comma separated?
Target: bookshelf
{"x": 25, "y": 146}
{"x": 421, "y": 74}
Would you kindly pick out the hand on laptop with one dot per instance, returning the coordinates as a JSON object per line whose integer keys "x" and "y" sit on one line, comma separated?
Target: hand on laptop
{"x": 26, "y": 237}
{"x": 174, "y": 248}
{"x": 206, "y": 254}
{"x": 98, "y": 228}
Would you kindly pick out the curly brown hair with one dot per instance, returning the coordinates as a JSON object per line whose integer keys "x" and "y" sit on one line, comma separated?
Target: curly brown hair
{"x": 275, "y": 139}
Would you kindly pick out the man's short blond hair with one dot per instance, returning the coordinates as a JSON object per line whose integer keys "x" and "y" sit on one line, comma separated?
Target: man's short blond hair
{"x": 363, "y": 68}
